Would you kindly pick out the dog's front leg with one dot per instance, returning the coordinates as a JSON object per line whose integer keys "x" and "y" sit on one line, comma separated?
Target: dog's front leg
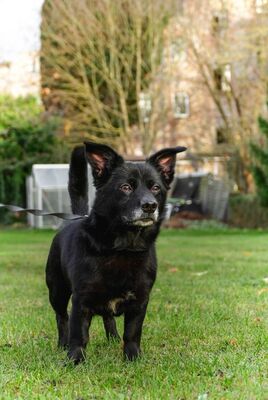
{"x": 132, "y": 333}
{"x": 78, "y": 331}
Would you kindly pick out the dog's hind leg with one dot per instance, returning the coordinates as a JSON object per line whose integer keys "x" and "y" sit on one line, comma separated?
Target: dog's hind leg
{"x": 110, "y": 327}
{"x": 60, "y": 303}
{"x": 59, "y": 296}
{"x": 78, "y": 335}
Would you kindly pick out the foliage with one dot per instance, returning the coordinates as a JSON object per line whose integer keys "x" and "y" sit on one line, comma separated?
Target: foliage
{"x": 205, "y": 330}
{"x": 246, "y": 211}
{"x": 98, "y": 58}
{"x": 25, "y": 139}
{"x": 15, "y": 111}
{"x": 260, "y": 169}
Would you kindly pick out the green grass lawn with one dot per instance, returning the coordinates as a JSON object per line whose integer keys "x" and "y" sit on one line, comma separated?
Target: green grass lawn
{"x": 205, "y": 334}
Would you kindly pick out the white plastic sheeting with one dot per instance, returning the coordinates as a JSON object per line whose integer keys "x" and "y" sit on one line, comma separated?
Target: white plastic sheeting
{"x": 47, "y": 189}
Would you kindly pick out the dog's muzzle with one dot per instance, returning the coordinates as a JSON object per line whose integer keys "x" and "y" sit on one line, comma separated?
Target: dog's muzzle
{"x": 144, "y": 222}
{"x": 143, "y": 219}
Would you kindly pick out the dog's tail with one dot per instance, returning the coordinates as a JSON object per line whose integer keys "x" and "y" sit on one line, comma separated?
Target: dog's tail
{"x": 78, "y": 181}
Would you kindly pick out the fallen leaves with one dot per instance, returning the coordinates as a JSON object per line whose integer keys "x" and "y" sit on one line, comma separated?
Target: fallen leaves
{"x": 201, "y": 273}
{"x": 257, "y": 320}
{"x": 173, "y": 270}
{"x": 233, "y": 342}
{"x": 263, "y": 290}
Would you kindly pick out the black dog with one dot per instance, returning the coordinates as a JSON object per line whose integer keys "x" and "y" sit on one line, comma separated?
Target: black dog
{"x": 107, "y": 261}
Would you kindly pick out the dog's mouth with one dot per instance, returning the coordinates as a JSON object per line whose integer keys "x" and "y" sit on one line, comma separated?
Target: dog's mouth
{"x": 142, "y": 222}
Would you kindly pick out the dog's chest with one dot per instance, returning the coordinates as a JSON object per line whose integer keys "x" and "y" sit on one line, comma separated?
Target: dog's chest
{"x": 120, "y": 285}
{"x": 122, "y": 263}
{"x": 115, "y": 304}
{"x": 122, "y": 275}
{"x": 112, "y": 303}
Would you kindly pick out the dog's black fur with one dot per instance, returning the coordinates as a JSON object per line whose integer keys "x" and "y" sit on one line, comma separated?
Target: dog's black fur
{"x": 107, "y": 261}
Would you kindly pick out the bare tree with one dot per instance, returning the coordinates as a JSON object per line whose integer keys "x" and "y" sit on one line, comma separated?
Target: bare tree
{"x": 99, "y": 62}
{"x": 227, "y": 54}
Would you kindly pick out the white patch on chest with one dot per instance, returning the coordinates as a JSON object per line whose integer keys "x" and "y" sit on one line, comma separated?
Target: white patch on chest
{"x": 114, "y": 303}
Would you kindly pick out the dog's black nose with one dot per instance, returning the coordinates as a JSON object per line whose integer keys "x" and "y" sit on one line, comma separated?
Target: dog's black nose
{"x": 149, "y": 206}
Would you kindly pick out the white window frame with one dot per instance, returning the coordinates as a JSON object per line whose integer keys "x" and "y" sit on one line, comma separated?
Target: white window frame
{"x": 226, "y": 78}
{"x": 145, "y": 106}
{"x": 179, "y": 98}
{"x": 259, "y": 5}
{"x": 177, "y": 51}
{"x": 223, "y": 19}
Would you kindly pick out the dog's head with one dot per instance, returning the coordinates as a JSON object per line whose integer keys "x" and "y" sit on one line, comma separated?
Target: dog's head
{"x": 133, "y": 194}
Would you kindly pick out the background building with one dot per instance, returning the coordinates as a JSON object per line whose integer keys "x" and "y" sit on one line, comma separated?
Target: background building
{"x": 19, "y": 47}
{"x": 207, "y": 94}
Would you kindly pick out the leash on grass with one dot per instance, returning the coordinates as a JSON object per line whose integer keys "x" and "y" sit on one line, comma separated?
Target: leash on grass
{"x": 41, "y": 213}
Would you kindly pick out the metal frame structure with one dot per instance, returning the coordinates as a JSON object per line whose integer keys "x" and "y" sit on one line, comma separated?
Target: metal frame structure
{"x": 47, "y": 189}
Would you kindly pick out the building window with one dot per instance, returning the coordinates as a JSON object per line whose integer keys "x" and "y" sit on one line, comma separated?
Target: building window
{"x": 219, "y": 22}
{"x": 177, "y": 51}
{"x": 145, "y": 106}
{"x": 223, "y": 78}
{"x": 181, "y": 104}
{"x": 221, "y": 135}
{"x": 261, "y": 6}
{"x": 218, "y": 78}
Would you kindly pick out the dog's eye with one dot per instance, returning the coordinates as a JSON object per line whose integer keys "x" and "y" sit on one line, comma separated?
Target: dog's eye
{"x": 126, "y": 188}
{"x": 155, "y": 189}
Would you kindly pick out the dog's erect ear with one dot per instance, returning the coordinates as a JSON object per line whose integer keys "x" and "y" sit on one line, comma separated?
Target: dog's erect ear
{"x": 103, "y": 159}
{"x": 164, "y": 161}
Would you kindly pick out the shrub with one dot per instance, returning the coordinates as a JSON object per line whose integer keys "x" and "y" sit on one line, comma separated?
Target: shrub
{"x": 25, "y": 139}
{"x": 246, "y": 211}
{"x": 260, "y": 169}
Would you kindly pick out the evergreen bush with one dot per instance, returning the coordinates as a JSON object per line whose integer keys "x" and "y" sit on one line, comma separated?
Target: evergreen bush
{"x": 26, "y": 138}
{"x": 260, "y": 169}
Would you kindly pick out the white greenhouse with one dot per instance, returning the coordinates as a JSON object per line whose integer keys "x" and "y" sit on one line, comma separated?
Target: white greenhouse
{"x": 47, "y": 189}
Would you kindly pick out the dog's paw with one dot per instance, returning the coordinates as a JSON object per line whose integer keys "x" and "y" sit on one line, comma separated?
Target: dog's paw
{"x": 63, "y": 344}
{"x": 77, "y": 355}
{"x": 131, "y": 351}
